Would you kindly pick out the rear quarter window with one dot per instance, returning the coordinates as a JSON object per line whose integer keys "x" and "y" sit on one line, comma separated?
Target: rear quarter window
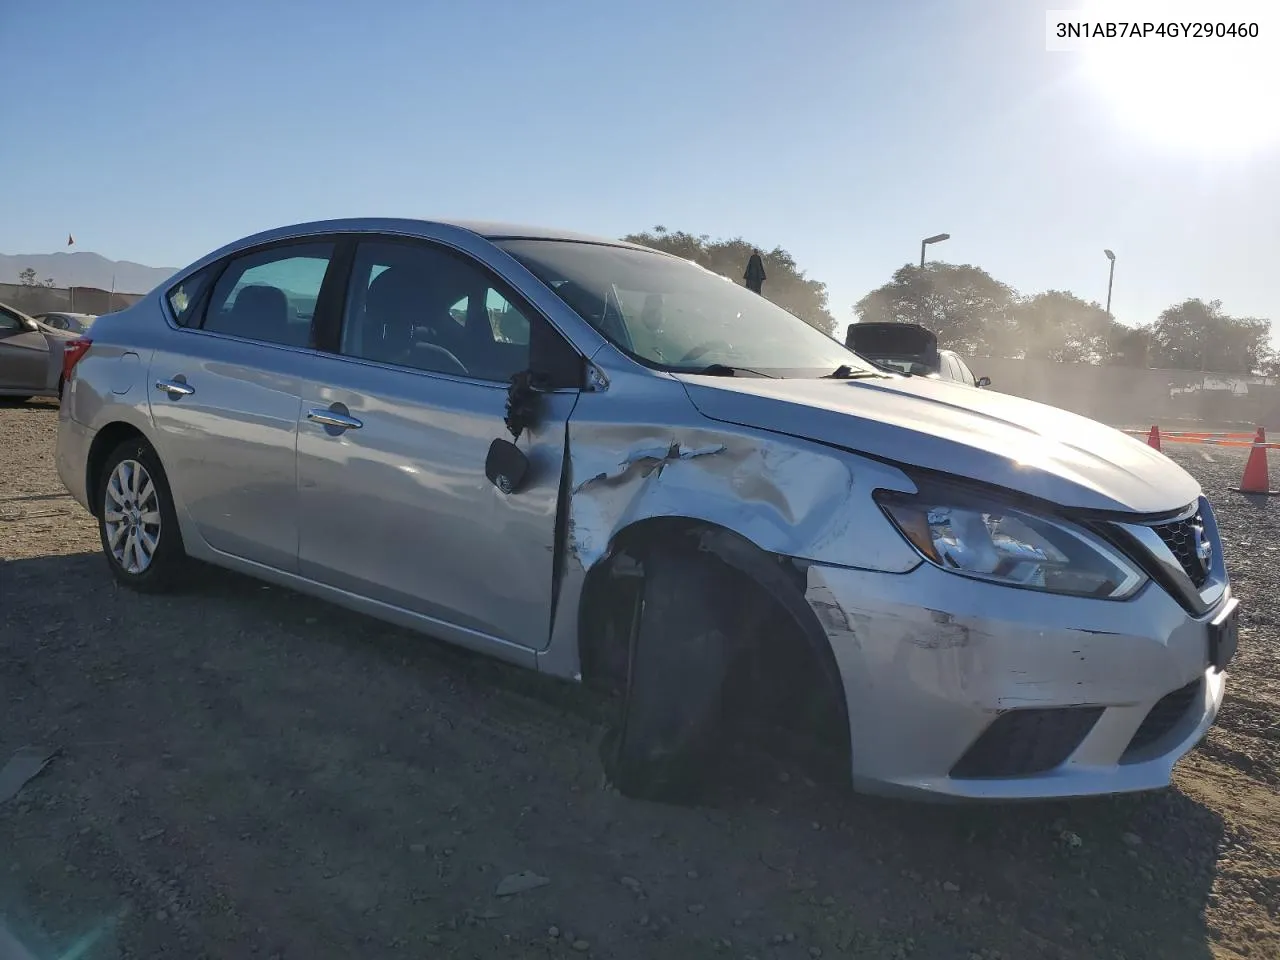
{"x": 184, "y": 298}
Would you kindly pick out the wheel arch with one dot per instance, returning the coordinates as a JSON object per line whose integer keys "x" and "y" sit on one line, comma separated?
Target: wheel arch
{"x": 104, "y": 441}
{"x": 604, "y": 650}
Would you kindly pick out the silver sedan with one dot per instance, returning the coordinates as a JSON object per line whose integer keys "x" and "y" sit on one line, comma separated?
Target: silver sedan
{"x": 606, "y": 463}
{"x": 31, "y": 356}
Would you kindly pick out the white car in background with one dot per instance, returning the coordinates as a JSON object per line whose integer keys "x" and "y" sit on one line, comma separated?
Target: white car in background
{"x": 911, "y": 349}
{"x": 76, "y": 323}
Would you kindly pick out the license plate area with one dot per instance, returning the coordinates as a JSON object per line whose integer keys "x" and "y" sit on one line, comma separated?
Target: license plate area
{"x": 1224, "y": 636}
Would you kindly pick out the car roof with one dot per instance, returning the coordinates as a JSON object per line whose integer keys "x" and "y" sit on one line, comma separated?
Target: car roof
{"x": 485, "y": 229}
{"x": 489, "y": 229}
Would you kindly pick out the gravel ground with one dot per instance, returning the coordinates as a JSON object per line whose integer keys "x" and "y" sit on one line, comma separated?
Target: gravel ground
{"x": 247, "y": 772}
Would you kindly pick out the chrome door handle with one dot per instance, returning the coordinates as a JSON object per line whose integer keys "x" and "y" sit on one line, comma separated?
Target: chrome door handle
{"x": 331, "y": 419}
{"x": 175, "y": 388}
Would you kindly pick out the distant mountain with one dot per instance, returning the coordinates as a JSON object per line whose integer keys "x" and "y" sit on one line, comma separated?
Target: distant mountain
{"x": 84, "y": 270}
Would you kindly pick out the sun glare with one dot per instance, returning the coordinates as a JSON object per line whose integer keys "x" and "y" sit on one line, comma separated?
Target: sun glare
{"x": 1213, "y": 96}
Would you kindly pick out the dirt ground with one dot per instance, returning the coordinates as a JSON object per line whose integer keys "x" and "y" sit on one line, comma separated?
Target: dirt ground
{"x": 245, "y": 772}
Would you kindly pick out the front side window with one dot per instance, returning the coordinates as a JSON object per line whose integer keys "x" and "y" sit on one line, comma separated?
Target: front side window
{"x": 671, "y": 314}
{"x": 270, "y": 295}
{"x": 10, "y": 323}
{"x": 419, "y": 306}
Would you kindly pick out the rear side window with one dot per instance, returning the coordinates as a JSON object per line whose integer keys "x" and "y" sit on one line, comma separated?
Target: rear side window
{"x": 184, "y": 299}
{"x": 270, "y": 295}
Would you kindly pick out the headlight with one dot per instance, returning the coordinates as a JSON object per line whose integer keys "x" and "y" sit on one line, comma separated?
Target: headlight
{"x": 980, "y": 537}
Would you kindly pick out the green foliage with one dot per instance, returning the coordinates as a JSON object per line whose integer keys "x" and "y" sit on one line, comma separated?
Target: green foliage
{"x": 968, "y": 309}
{"x": 787, "y": 285}
{"x": 1057, "y": 325}
{"x": 975, "y": 314}
{"x": 1194, "y": 335}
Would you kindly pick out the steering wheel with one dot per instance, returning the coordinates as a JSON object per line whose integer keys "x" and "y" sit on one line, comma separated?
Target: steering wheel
{"x": 440, "y": 359}
{"x": 704, "y": 347}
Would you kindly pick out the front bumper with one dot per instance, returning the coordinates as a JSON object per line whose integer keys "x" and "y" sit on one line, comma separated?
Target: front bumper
{"x": 966, "y": 689}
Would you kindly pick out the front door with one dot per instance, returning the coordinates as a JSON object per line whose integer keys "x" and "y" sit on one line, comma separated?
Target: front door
{"x": 394, "y": 430}
{"x": 24, "y": 357}
{"x": 226, "y": 387}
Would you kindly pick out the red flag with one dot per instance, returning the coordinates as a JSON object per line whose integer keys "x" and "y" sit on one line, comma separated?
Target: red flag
{"x": 70, "y": 240}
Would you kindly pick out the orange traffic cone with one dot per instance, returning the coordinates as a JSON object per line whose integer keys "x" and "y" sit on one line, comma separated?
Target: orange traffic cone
{"x": 1256, "y": 479}
{"x": 1153, "y": 438}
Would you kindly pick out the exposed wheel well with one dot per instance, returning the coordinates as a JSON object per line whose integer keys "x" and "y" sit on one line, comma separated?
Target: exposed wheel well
{"x": 106, "y": 440}
{"x": 783, "y": 679}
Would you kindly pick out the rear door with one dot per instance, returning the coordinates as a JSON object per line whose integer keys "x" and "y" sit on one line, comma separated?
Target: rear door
{"x": 394, "y": 431}
{"x": 24, "y": 356}
{"x": 227, "y": 384}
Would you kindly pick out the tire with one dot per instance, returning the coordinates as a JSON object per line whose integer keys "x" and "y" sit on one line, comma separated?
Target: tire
{"x": 668, "y": 743}
{"x": 146, "y": 515}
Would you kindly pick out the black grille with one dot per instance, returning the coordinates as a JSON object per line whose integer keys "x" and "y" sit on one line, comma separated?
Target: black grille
{"x": 1023, "y": 742}
{"x": 1163, "y": 717}
{"x": 1179, "y": 537}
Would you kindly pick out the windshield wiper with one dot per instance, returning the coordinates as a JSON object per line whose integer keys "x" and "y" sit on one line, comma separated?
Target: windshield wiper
{"x": 846, "y": 372}
{"x": 724, "y": 370}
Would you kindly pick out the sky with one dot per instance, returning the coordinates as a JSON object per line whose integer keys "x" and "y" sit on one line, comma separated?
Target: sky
{"x": 841, "y": 130}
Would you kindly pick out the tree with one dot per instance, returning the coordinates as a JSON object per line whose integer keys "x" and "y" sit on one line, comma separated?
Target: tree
{"x": 1128, "y": 346}
{"x": 968, "y": 309}
{"x": 27, "y": 277}
{"x": 1195, "y": 335}
{"x": 1057, "y": 325}
{"x": 787, "y": 285}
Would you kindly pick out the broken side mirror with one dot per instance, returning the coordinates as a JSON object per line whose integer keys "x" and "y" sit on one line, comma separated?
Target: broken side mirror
{"x": 984, "y": 382}
{"x": 506, "y": 466}
{"x": 523, "y": 402}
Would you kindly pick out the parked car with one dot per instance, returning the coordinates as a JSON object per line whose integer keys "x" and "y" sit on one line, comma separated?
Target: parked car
{"x": 912, "y": 349}
{"x": 73, "y": 322}
{"x": 30, "y": 356}
{"x": 658, "y": 481}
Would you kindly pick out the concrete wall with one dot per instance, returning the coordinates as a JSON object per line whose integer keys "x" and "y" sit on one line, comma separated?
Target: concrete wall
{"x": 31, "y": 300}
{"x": 1138, "y": 397}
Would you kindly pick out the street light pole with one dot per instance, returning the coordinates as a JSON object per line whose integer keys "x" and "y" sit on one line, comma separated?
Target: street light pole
{"x": 1111, "y": 276}
{"x": 936, "y": 238}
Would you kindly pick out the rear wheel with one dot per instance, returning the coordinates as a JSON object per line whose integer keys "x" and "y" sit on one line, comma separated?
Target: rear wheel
{"x": 137, "y": 522}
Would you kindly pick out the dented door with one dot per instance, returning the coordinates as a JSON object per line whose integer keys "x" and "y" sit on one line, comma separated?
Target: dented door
{"x": 399, "y": 509}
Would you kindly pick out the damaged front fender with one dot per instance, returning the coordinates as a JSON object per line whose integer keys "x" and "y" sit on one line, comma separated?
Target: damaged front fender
{"x": 812, "y": 504}
{"x": 788, "y": 497}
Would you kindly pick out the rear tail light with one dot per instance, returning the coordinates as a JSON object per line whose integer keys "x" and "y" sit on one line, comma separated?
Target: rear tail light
{"x": 72, "y": 352}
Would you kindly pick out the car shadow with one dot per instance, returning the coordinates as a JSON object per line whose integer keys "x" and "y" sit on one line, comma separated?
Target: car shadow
{"x": 1126, "y": 876}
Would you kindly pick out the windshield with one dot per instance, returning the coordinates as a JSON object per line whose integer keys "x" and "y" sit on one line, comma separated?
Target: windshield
{"x": 674, "y": 315}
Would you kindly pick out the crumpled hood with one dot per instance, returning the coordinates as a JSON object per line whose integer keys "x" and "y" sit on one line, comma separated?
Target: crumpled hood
{"x": 980, "y": 434}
